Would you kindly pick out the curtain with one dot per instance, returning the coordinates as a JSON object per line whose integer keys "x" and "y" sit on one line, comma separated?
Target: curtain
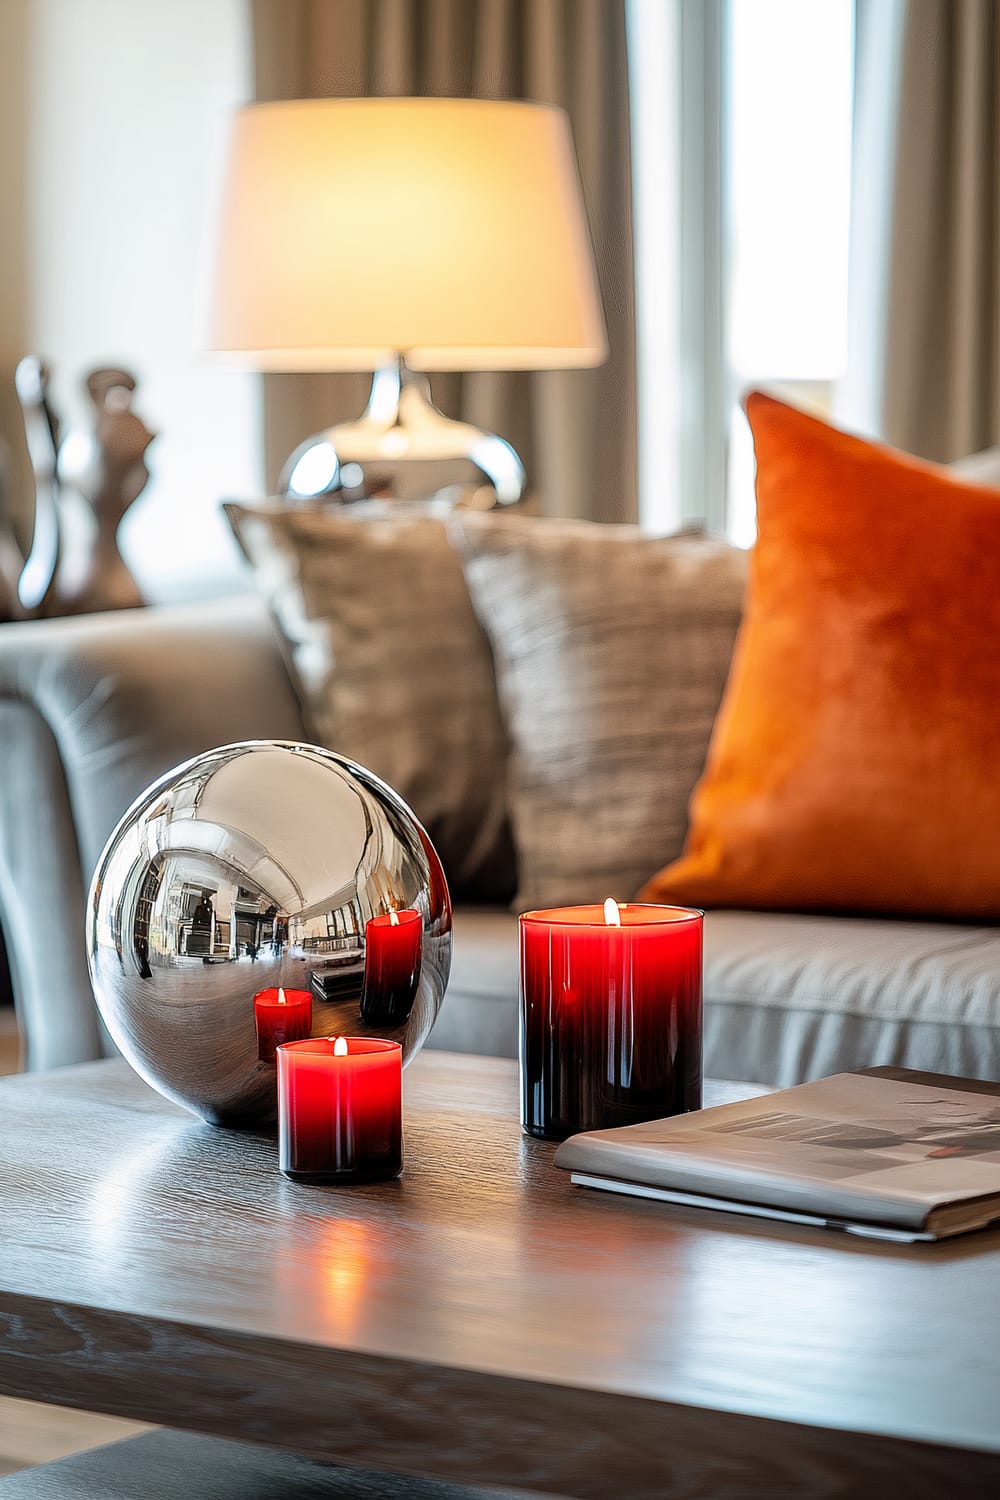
{"x": 924, "y": 346}
{"x": 574, "y": 430}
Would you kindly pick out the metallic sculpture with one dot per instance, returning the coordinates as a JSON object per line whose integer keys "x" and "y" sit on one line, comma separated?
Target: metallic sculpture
{"x": 37, "y": 584}
{"x": 11, "y": 558}
{"x": 106, "y": 468}
{"x": 253, "y": 866}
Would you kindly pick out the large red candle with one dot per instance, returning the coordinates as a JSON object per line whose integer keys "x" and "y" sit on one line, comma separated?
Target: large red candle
{"x": 610, "y": 1016}
{"x": 281, "y": 1016}
{"x": 340, "y": 1109}
{"x": 392, "y": 967}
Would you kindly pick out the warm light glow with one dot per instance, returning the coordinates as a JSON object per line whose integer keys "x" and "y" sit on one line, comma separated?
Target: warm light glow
{"x": 394, "y": 919}
{"x": 340, "y": 1046}
{"x": 281, "y": 996}
{"x": 612, "y": 915}
{"x": 341, "y": 1271}
{"x": 474, "y": 252}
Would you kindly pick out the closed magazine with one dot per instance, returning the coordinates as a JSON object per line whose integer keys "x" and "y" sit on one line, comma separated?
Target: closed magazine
{"x": 884, "y": 1152}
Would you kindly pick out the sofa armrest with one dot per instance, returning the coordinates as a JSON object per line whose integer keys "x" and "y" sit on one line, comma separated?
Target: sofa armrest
{"x": 91, "y": 710}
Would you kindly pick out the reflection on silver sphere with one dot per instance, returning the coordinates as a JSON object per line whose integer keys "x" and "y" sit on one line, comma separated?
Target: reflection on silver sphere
{"x": 255, "y": 866}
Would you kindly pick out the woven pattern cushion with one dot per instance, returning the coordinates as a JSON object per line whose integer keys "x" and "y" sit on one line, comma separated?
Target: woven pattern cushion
{"x": 611, "y": 649}
{"x": 393, "y": 668}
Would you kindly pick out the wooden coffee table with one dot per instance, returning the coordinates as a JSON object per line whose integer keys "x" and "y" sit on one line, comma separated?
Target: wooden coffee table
{"x": 480, "y": 1320}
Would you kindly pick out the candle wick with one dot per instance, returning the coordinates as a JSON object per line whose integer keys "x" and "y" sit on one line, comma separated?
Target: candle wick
{"x": 281, "y": 996}
{"x": 394, "y": 919}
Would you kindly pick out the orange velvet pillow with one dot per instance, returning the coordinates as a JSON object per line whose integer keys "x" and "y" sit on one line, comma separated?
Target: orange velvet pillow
{"x": 855, "y": 762}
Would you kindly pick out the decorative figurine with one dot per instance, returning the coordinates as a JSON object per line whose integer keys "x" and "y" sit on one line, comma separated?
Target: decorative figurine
{"x": 11, "y": 558}
{"x": 36, "y": 588}
{"x": 108, "y": 469}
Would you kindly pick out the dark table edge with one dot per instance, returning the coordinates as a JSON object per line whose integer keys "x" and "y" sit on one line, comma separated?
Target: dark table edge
{"x": 402, "y": 1416}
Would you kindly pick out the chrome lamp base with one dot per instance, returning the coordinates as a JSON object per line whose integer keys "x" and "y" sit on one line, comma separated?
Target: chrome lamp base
{"x": 403, "y": 448}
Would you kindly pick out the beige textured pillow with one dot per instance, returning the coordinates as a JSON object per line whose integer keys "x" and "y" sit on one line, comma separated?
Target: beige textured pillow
{"x": 393, "y": 668}
{"x": 612, "y": 649}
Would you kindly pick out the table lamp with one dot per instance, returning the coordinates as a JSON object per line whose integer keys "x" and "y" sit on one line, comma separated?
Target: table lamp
{"x": 402, "y": 236}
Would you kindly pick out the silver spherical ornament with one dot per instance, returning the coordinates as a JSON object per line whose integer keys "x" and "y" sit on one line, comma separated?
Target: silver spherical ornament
{"x": 254, "y": 867}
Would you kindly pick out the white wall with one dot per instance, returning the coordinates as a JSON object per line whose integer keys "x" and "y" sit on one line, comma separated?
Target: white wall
{"x": 13, "y": 178}
{"x": 127, "y": 102}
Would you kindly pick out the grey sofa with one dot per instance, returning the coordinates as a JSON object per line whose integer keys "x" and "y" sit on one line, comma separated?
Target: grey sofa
{"x": 92, "y": 710}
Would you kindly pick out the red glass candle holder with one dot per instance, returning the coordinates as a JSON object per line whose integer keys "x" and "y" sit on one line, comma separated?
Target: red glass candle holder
{"x": 611, "y": 1017}
{"x": 393, "y": 946}
{"x": 340, "y": 1117}
{"x": 281, "y": 1016}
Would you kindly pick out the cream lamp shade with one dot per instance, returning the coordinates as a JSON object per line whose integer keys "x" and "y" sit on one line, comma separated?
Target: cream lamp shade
{"x": 449, "y": 231}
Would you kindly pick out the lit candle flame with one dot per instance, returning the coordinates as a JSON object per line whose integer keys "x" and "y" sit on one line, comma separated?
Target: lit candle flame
{"x": 394, "y": 919}
{"x": 340, "y": 1046}
{"x": 281, "y": 996}
{"x": 612, "y": 915}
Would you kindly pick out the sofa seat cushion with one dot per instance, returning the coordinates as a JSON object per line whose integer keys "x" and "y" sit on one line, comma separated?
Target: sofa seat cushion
{"x": 479, "y": 1013}
{"x": 787, "y": 997}
{"x": 792, "y": 997}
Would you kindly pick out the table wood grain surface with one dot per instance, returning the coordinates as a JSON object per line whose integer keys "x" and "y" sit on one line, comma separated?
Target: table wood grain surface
{"x": 480, "y": 1320}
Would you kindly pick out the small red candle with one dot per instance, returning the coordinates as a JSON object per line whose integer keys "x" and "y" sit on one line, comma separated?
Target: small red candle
{"x": 340, "y": 1115}
{"x": 611, "y": 1016}
{"x": 281, "y": 1016}
{"x": 392, "y": 967}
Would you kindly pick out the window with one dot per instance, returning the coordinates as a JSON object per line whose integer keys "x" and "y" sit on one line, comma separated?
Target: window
{"x": 788, "y": 74}
{"x": 741, "y": 121}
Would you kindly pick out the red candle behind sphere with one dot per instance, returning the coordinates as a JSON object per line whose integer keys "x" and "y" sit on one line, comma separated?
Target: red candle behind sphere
{"x": 281, "y": 1016}
{"x": 611, "y": 1016}
{"x": 393, "y": 943}
{"x": 340, "y": 1117}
